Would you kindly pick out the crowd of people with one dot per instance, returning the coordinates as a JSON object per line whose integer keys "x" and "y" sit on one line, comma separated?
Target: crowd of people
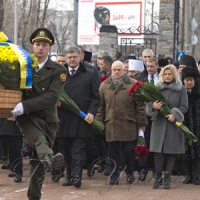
{"x": 59, "y": 142}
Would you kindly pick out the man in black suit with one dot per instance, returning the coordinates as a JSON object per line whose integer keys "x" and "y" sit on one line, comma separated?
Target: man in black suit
{"x": 37, "y": 113}
{"x": 82, "y": 88}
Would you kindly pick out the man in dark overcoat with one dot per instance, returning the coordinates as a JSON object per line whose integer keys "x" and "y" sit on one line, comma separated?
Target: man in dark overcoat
{"x": 123, "y": 117}
{"x": 37, "y": 113}
{"x": 82, "y": 88}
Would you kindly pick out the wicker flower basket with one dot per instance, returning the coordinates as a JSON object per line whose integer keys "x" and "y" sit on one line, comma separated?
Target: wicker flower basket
{"x": 8, "y": 100}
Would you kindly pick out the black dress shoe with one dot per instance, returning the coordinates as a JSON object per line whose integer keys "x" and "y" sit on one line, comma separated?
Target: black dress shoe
{"x": 196, "y": 180}
{"x": 130, "y": 179}
{"x": 142, "y": 175}
{"x": 106, "y": 172}
{"x": 91, "y": 172}
{"x": 114, "y": 181}
{"x": 17, "y": 178}
{"x": 5, "y": 166}
{"x": 100, "y": 169}
{"x": 187, "y": 179}
{"x": 76, "y": 181}
{"x": 11, "y": 175}
{"x": 67, "y": 182}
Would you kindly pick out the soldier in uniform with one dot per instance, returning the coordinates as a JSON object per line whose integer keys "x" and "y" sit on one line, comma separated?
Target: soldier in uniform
{"x": 37, "y": 113}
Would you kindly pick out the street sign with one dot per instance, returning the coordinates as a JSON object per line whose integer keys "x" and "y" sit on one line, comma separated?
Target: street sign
{"x": 180, "y": 53}
{"x": 194, "y": 40}
{"x": 194, "y": 24}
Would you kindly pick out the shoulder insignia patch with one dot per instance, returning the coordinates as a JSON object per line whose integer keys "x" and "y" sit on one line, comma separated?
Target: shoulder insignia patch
{"x": 63, "y": 77}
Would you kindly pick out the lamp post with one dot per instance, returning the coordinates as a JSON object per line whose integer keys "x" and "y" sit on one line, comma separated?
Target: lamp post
{"x": 176, "y": 28}
{"x": 75, "y": 21}
{"x": 15, "y": 22}
{"x": 152, "y": 14}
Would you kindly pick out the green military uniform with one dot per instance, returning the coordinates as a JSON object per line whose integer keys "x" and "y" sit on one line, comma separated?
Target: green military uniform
{"x": 39, "y": 121}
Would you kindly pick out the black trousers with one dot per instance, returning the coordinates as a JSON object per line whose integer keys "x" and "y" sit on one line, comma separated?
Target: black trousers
{"x": 74, "y": 155}
{"x": 91, "y": 153}
{"x": 102, "y": 147}
{"x": 96, "y": 149}
{"x": 58, "y": 146}
{"x": 14, "y": 146}
{"x": 114, "y": 154}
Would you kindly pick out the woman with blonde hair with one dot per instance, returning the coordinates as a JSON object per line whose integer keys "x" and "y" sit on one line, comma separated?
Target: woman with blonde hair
{"x": 167, "y": 139}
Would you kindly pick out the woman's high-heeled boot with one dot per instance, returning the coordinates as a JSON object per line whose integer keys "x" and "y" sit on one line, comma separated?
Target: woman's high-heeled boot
{"x": 158, "y": 177}
{"x": 167, "y": 180}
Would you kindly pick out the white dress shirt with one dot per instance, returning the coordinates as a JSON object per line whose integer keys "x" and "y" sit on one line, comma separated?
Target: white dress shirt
{"x": 69, "y": 68}
{"x": 155, "y": 77}
{"x": 41, "y": 65}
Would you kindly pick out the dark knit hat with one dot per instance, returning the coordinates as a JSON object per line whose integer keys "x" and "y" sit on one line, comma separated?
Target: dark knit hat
{"x": 189, "y": 72}
{"x": 163, "y": 62}
{"x": 88, "y": 56}
{"x": 187, "y": 60}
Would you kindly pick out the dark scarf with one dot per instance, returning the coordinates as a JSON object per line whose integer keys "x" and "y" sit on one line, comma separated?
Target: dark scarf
{"x": 117, "y": 81}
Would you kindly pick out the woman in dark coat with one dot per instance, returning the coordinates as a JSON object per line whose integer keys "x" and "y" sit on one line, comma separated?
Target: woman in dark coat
{"x": 167, "y": 139}
{"x": 190, "y": 161}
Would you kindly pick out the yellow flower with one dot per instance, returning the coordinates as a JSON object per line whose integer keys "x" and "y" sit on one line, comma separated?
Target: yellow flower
{"x": 13, "y": 67}
{"x": 34, "y": 61}
{"x": 7, "y": 54}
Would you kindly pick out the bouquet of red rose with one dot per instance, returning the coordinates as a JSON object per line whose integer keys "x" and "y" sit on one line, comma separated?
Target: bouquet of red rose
{"x": 141, "y": 150}
{"x": 147, "y": 92}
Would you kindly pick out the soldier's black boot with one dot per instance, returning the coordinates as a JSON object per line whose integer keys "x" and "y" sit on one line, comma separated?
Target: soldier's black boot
{"x": 47, "y": 162}
{"x": 158, "y": 177}
{"x": 167, "y": 180}
{"x": 54, "y": 164}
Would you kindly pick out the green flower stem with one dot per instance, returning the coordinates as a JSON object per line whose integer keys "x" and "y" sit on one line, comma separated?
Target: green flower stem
{"x": 71, "y": 106}
{"x": 141, "y": 141}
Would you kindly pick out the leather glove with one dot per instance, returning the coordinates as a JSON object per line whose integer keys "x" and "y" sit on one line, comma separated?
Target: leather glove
{"x": 18, "y": 110}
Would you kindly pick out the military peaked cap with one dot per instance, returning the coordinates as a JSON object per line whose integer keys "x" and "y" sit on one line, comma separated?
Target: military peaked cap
{"x": 42, "y": 34}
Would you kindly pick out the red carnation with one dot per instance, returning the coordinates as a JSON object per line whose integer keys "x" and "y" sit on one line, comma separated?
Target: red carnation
{"x": 134, "y": 87}
{"x": 104, "y": 78}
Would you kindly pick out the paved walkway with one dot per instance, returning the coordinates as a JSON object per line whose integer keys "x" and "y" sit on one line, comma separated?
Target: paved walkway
{"x": 97, "y": 188}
